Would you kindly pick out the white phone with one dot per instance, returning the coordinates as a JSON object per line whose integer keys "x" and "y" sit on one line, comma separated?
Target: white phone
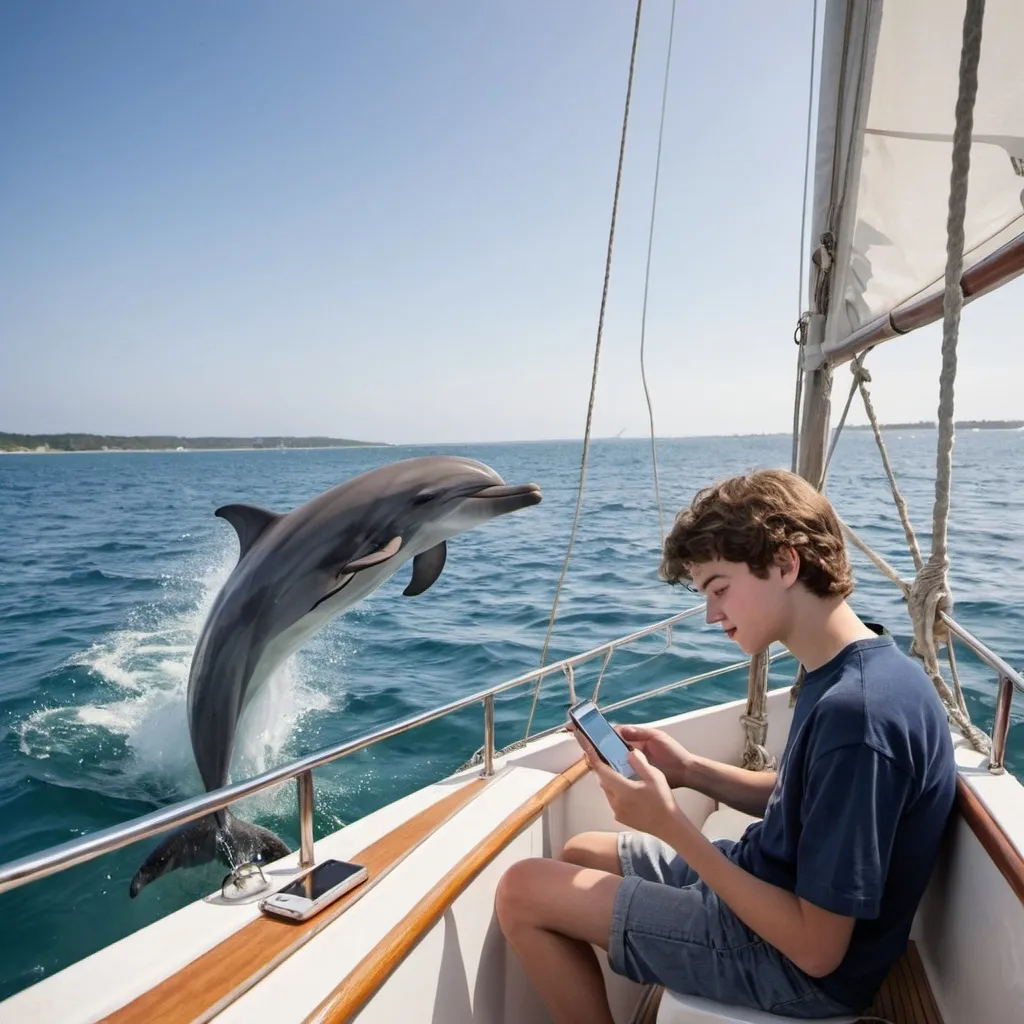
{"x": 317, "y": 888}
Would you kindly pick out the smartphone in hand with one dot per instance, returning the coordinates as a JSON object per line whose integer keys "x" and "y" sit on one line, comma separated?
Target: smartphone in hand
{"x": 610, "y": 746}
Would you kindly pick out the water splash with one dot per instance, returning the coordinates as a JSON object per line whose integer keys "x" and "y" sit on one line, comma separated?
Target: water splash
{"x": 125, "y": 714}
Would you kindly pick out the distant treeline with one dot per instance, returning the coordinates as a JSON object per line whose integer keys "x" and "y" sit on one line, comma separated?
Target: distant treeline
{"x": 960, "y": 425}
{"x": 103, "y": 442}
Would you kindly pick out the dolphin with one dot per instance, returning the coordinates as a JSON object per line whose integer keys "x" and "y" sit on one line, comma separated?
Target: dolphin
{"x": 296, "y": 571}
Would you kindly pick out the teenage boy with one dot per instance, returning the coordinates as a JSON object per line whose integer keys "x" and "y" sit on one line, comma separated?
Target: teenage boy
{"x": 805, "y": 914}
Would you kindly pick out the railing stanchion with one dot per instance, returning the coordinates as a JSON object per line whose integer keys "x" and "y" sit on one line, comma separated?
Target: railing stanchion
{"x": 307, "y": 801}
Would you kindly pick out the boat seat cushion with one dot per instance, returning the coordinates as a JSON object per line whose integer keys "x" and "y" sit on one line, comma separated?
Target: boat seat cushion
{"x": 676, "y": 1008}
{"x": 726, "y": 823}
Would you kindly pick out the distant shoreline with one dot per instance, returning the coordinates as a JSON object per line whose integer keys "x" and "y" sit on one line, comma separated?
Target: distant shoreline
{"x": 95, "y": 444}
{"x": 959, "y": 425}
{"x": 186, "y": 451}
{"x": 85, "y": 444}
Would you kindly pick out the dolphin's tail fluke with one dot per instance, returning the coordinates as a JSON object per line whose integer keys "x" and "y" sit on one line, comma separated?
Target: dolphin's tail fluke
{"x": 216, "y": 837}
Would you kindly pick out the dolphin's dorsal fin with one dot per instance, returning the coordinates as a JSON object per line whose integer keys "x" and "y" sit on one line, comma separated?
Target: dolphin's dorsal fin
{"x": 426, "y": 567}
{"x": 374, "y": 558}
{"x": 250, "y": 523}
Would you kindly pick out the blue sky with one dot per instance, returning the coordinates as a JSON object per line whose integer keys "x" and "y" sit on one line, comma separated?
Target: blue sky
{"x": 389, "y": 221}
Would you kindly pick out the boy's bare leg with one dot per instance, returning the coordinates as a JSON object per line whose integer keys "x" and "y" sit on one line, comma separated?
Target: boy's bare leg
{"x": 551, "y": 913}
{"x": 598, "y": 850}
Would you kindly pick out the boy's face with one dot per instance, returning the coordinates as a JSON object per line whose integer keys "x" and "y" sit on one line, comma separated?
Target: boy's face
{"x": 753, "y": 612}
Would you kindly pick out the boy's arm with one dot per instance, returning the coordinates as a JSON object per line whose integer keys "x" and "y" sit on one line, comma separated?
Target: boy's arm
{"x": 746, "y": 790}
{"x": 814, "y": 939}
{"x": 852, "y": 805}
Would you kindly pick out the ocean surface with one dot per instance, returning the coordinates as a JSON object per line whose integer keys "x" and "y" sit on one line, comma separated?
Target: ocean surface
{"x": 110, "y": 562}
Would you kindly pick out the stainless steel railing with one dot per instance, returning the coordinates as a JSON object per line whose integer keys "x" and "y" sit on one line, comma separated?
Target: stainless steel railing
{"x": 38, "y": 865}
{"x": 1009, "y": 679}
{"x": 58, "y": 858}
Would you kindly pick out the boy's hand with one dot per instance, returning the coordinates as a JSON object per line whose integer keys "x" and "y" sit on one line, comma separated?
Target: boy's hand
{"x": 646, "y": 803}
{"x": 661, "y": 751}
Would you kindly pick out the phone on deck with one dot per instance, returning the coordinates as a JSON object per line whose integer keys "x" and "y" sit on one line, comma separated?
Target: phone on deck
{"x": 610, "y": 746}
{"x": 317, "y": 888}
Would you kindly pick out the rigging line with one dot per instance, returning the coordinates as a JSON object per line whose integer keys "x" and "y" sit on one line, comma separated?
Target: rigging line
{"x": 953, "y": 296}
{"x": 807, "y": 163}
{"x": 803, "y": 233}
{"x": 647, "y": 274}
{"x": 597, "y": 359}
{"x": 930, "y": 593}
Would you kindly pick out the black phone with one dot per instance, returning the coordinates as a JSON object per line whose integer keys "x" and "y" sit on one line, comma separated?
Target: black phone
{"x": 610, "y": 746}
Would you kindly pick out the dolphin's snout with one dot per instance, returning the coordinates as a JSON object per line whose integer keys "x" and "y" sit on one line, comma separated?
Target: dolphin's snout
{"x": 510, "y": 498}
{"x": 528, "y": 491}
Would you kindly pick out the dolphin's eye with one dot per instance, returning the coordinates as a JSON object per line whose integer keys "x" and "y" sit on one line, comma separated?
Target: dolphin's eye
{"x": 422, "y": 499}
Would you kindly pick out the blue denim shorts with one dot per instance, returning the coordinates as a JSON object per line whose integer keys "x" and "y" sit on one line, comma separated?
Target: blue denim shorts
{"x": 670, "y": 929}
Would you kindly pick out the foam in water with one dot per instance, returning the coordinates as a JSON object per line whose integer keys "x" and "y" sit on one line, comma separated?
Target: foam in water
{"x": 150, "y": 667}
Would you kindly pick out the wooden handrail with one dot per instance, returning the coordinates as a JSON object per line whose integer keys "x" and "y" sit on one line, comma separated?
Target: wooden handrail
{"x": 356, "y": 988}
{"x": 1003, "y": 854}
{"x": 216, "y": 978}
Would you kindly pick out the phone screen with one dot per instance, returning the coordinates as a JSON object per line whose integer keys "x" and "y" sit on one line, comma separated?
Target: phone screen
{"x": 321, "y": 879}
{"x": 605, "y": 738}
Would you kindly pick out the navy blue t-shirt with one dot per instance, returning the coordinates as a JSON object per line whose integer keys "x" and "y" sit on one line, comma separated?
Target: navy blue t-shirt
{"x": 864, "y": 790}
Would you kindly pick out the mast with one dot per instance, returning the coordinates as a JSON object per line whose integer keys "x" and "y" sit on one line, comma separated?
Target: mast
{"x": 848, "y": 42}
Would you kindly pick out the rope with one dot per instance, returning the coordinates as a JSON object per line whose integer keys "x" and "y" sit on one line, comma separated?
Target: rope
{"x": 755, "y": 721}
{"x": 953, "y": 296}
{"x": 647, "y": 276}
{"x": 597, "y": 360}
{"x": 798, "y": 681}
{"x": 923, "y": 616}
{"x": 930, "y": 592}
{"x": 879, "y": 562}
{"x": 926, "y": 596}
{"x": 958, "y": 690}
{"x": 862, "y": 378}
{"x": 855, "y": 369}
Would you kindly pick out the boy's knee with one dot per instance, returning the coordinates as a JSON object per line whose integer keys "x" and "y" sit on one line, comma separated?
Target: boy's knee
{"x": 594, "y": 850}
{"x": 514, "y": 886}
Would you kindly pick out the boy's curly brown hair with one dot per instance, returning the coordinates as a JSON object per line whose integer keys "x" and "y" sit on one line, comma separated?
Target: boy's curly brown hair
{"x": 750, "y": 519}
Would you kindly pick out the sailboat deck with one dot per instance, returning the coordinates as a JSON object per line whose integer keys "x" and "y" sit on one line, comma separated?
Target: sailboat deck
{"x": 423, "y": 943}
{"x": 906, "y": 997}
{"x": 218, "y": 977}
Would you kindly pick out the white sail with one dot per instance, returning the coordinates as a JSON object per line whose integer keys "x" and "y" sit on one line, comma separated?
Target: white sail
{"x": 882, "y": 180}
